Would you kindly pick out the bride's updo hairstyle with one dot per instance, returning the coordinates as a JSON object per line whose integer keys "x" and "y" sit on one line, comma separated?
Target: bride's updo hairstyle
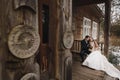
{"x": 91, "y": 39}
{"x": 95, "y": 42}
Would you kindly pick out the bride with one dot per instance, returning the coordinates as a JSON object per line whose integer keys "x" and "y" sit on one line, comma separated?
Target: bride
{"x": 98, "y": 61}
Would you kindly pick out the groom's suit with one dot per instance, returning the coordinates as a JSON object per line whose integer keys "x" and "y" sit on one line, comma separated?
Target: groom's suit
{"x": 84, "y": 49}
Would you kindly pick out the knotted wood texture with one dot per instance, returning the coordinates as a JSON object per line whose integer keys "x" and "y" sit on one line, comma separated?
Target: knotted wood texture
{"x": 14, "y": 13}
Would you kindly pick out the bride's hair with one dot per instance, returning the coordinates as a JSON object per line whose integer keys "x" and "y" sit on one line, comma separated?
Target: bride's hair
{"x": 95, "y": 42}
{"x": 91, "y": 39}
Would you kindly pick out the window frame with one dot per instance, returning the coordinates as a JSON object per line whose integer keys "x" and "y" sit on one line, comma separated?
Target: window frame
{"x": 95, "y": 30}
{"x": 86, "y": 26}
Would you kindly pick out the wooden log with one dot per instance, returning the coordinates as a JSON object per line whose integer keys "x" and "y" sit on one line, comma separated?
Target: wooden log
{"x": 107, "y": 26}
{"x": 14, "y": 68}
{"x": 65, "y": 20}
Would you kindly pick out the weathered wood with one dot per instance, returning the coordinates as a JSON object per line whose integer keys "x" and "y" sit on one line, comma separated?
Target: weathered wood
{"x": 28, "y": 3}
{"x": 107, "y": 27}
{"x": 68, "y": 68}
{"x": 54, "y": 39}
{"x": 50, "y": 48}
{"x": 14, "y": 68}
{"x": 65, "y": 23}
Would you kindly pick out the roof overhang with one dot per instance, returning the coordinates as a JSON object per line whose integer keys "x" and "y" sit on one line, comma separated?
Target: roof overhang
{"x": 99, "y": 11}
{"x": 88, "y": 2}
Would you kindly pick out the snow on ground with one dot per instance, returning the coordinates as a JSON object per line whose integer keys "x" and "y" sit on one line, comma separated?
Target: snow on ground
{"x": 116, "y": 51}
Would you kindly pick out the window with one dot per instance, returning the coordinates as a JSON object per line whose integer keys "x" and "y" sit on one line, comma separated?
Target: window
{"x": 94, "y": 30}
{"x": 86, "y": 26}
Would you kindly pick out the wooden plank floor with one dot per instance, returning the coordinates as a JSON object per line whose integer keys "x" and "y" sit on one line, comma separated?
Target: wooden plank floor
{"x": 80, "y": 72}
{"x": 85, "y": 73}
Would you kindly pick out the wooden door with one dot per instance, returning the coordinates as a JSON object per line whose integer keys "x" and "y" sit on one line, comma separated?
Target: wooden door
{"x": 44, "y": 34}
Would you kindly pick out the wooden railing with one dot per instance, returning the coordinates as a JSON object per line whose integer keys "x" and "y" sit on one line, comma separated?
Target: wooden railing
{"x": 101, "y": 45}
{"x": 76, "y": 46}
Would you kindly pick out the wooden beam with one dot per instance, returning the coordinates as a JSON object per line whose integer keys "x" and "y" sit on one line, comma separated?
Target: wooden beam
{"x": 99, "y": 25}
{"x": 87, "y": 2}
{"x": 107, "y": 26}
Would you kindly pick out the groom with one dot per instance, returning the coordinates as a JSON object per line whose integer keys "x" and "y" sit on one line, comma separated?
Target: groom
{"x": 85, "y": 47}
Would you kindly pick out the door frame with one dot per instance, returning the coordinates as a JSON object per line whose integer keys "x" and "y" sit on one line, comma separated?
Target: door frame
{"x": 53, "y": 33}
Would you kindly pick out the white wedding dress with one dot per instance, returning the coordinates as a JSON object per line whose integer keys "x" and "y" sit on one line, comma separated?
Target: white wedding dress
{"x": 99, "y": 62}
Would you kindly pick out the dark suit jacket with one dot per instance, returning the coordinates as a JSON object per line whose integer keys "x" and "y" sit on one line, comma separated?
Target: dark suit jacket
{"x": 84, "y": 45}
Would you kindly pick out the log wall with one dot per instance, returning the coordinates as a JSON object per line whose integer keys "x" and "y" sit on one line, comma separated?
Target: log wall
{"x": 15, "y": 13}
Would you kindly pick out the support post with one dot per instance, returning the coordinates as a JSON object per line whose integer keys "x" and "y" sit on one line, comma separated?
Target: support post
{"x": 107, "y": 26}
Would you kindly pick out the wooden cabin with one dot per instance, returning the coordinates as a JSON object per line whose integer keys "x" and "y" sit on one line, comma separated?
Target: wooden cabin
{"x": 35, "y": 40}
{"x": 36, "y": 37}
{"x": 86, "y": 21}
